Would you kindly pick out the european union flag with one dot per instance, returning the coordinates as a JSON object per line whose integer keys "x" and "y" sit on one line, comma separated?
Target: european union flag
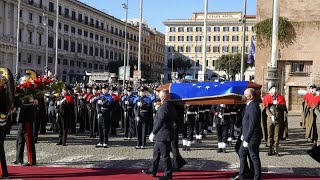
{"x": 202, "y": 90}
{"x": 252, "y": 53}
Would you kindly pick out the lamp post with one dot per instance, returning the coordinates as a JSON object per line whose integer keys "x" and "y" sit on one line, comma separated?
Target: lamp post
{"x": 18, "y": 35}
{"x": 244, "y": 19}
{"x": 172, "y": 63}
{"x": 57, "y": 34}
{"x": 125, "y": 6}
{"x": 45, "y": 23}
{"x": 140, "y": 36}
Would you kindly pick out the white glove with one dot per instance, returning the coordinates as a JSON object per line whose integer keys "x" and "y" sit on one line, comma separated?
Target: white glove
{"x": 154, "y": 104}
{"x": 275, "y": 102}
{"x": 151, "y": 137}
{"x": 245, "y": 144}
{"x": 273, "y": 119}
{"x": 241, "y": 137}
{"x": 90, "y": 100}
{"x": 99, "y": 115}
{"x": 138, "y": 118}
{"x": 220, "y": 115}
{"x": 139, "y": 104}
{"x": 80, "y": 97}
{"x": 100, "y": 102}
{"x": 58, "y": 103}
{"x": 156, "y": 107}
{"x": 126, "y": 102}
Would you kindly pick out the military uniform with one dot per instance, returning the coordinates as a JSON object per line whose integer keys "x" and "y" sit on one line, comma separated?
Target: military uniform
{"x": 7, "y": 104}
{"x": 127, "y": 106}
{"x": 92, "y": 113}
{"x": 200, "y": 120}
{"x": 221, "y": 118}
{"x": 316, "y": 119}
{"x": 188, "y": 126}
{"x": 82, "y": 115}
{"x": 142, "y": 110}
{"x": 275, "y": 110}
{"x": 116, "y": 113}
{"x": 306, "y": 105}
{"x": 105, "y": 104}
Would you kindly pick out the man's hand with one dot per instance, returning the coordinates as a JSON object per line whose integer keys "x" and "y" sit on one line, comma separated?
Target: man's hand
{"x": 138, "y": 118}
{"x": 273, "y": 119}
{"x": 139, "y": 104}
{"x": 241, "y": 137}
{"x": 245, "y": 144}
{"x": 151, "y": 137}
{"x": 100, "y": 102}
{"x": 126, "y": 102}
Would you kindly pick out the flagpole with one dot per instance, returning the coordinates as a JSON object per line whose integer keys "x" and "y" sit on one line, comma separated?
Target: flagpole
{"x": 204, "y": 51}
{"x": 57, "y": 33}
{"x": 18, "y": 35}
{"x": 243, "y": 40}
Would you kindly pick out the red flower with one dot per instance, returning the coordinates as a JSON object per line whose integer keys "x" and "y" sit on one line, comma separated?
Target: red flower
{"x": 28, "y": 85}
{"x": 36, "y": 86}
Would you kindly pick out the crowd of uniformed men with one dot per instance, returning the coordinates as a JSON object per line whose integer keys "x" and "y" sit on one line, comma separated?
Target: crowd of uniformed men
{"x": 102, "y": 108}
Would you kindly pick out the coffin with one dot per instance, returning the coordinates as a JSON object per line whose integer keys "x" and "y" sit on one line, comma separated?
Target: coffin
{"x": 208, "y": 93}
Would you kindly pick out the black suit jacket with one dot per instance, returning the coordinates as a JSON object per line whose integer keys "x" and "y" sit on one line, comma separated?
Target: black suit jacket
{"x": 163, "y": 122}
{"x": 251, "y": 128}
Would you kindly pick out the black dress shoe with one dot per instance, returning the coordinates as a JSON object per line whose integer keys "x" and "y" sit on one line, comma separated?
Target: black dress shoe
{"x": 165, "y": 178}
{"x": 224, "y": 150}
{"x": 219, "y": 150}
{"x": 153, "y": 174}
{"x": 16, "y": 162}
{"x": 184, "y": 148}
{"x": 237, "y": 178}
{"x": 59, "y": 143}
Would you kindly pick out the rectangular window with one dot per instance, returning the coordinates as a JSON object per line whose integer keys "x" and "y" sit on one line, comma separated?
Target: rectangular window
{"x": 180, "y": 48}
{"x": 90, "y": 65}
{"x": 86, "y": 20}
{"x": 208, "y": 38}
{"x": 189, "y": 38}
{"x": 79, "y": 48}
{"x": 39, "y": 60}
{"x": 40, "y": 19}
{"x": 80, "y": 17}
{"x": 225, "y": 38}
{"x": 234, "y": 49}
{"x": 51, "y": 7}
{"x": 198, "y": 29}
{"x": 78, "y": 64}
{"x": 66, "y": 28}
{"x": 235, "y": 29}
{"x": 188, "y": 49}
{"x": 40, "y": 39}
{"x": 172, "y": 29}
{"x": 65, "y": 62}
{"x": 29, "y": 59}
{"x": 85, "y": 33}
{"x": 198, "y": 38}
{"x": 225, "y": 49}
{"x": 235, "y": 38}
{"x": 96, "y": 51}
{"x": 97, "y": 37}
{"x": 66, "y": 45}
{"x": 208, "y": 29}
{"x": 20, "y": 35}
{"x": 60, "y": 10}
{"x": 107, "y": 54}
{"x": 50, "y": 60}
{"x": 225, "y": 29}
{"x": 91, "y": 51}
{"x": 85, "y": 49}
{"x": 197, "y": 49}
{"x": 73, "y": 14}
{"x": 66, "y": 12}
{"x": 59, "y": 26}
{"x": 84, "y": 65}
{"x": 73, "y": 30}
{"x": 50, "y": 23}
{"x": 189, "y": 29}
{"x": 71, "y": 63}
{"x": 30, "y": 37}
{"x": 180, "y": 38}
{"x": 198, "y": 63}
{"x": 208, "y": 48}
{"x": 80, "y": 32}
{"x": 101, "y": 53}
{"x": 73, "y": 47}
{"x": 59, "y": 43}
{"x": 91, "y": 35}
{"x": 180, "y": 29}
{"x": 30, "y": 16}
{"x": 172, "y": 38}
{"x": 216, "y": 49}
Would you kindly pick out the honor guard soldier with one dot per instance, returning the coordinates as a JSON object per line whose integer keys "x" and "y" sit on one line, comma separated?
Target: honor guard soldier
{"x": 275, "y": 109}
{"x": 6, "y": 108}
{"x": 82, "y": 116}
{"x": 92, "y": 112}
{"x": 142, "y": 110}
{"x": 306, "y": 101}
{"x": 73, "y": 123}
{"x": 127, "y": 106}
{"x": 221, "y": 117}
{"x": 315, "y": 131}
{"x": 116, "y": 113}
{"x": 188, "y": 126}
{"x": 51, "y": 110}
{"x": 233, "y": 119}
{"x": 105, "y": 104}
{"x": 26, "y": 116}
{"x": 200, "y": 123}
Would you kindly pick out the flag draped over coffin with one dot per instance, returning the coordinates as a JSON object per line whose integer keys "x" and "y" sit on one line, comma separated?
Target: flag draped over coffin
{"x": 202, "y": 90}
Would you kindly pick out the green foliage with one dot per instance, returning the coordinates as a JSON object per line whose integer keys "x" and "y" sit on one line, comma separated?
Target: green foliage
{"x": 286, "y": 32}
{"x": 179, "y": 65}
{"x": 231, "y": 64}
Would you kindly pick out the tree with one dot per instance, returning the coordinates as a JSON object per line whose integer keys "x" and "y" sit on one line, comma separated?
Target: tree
{"x": 231, "y": 64}
{"x": 179, "y": 65}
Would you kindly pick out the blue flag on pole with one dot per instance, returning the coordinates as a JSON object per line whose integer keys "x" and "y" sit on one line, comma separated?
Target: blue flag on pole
{"x": 251, "y": 53}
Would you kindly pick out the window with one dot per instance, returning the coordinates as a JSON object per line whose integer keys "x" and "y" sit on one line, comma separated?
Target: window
{"x": 208, "y": 48}
{"x": 101, "y": 38}
{"x": 91, "y": 22}
{"x": 235, "y": 29}
{"x": 97, "y": 37}
{"x": 66, "y": 27}
{"x": 180, "y": 29}
{"x": 66, "y": 12}
{"x": 91, "y": 35}
{"x": 85, "y": 49}
{"x": 301, "y": 67}
{"x": 50, "y": 23}
{"x": 207, "y": 62}
{"x": 80, "y": 17}
{"x": 172, "y": 38}
{"x": 85, "y": 33}
{"x": 73, "y": 15}
{"x": 73, "y": 47}
{"x": 225, "y": 29}
{"x": 188, "y": 48}
{"x": 39, "y": 60}
{"x": 59, "y": 26}
{"x": 198, "y": 29}
{"x": 172, "y": 29}
{"x": 84, "y": 65}
{"x": 180, "y": 48}
{"x": 66, "y": 45}
{"x": 50, "y": 41}
{"x": 96, "y": 52}
{"x": 59, "y": 43}
{"x": 216, "y": 38}
{"x": 79, "y": 48}
{"x": 95, "y": 66}
{"x": 198, "y": 63}
{"x": 91, "y": 51}
{"x": 60, "y": 10}
{"x": 101, "y": 53}
{"x": 73, "y": 30}
{"x": 50, "y": 60}
{"x": 180, "y": 38}
{"x": 71, "y": 63}
{"x": 189, "y": 29}
{"x": 197, "y": 49}
{"x": 225, "y": 49}
{"x": 20, "y": 35}
{"x": 208, "y": 38}
{"x": 86, "y": 19}
{"x": 107, "y": 54}
{"x": 235, "y": 38}
{"x": 78, "y": 64}
{"x": 29, "y": 59}
{"x": 189, "y": 38}
{"x": 234, "y": 49}
{"x": 65, "y": 62}
{"x": 40, "y": 19}
{"x": 80, "y": 32}
{"x": 30, "y": 37}
{"x": 30, "y": 16}
{"x": 225, "y": 38}
{"x": 107, "y": 40}
{"x": 40, "y": 39}
{"x": 208, "y": 29}
{"x": 198, "y": 38}
{"x": 90, "y": 65}
{"x": 216, "y": 49}
{"x": 51, "y": 7}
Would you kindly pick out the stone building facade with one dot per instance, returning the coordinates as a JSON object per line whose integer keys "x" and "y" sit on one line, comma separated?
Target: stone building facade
{"x": 298, "y": 62}
{"x": 88, "y": 39}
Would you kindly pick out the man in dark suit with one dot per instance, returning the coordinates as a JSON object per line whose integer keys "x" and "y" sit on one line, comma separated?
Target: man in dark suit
{"x": 252, "y": 134}
{"x": 163, "y": 134}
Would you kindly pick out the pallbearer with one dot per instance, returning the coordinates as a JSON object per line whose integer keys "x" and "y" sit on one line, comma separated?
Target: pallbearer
{"x": 190, "y": 114}
{"x": 6, "y": 108}
{"x": 201, "y": 114}
{"x": 221, "y": 119}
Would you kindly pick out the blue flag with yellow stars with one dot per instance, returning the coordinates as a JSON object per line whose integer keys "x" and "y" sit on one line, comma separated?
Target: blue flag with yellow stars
{"x": 202, "y": 90}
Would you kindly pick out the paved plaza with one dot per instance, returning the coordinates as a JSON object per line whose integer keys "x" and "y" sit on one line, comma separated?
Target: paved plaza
{"x": 81, "y": 152}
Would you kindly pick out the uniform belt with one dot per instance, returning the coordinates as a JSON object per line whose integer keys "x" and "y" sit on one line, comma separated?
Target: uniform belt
{"x": 233, "y": 113}
{"x": 104, "y": 108}
{"x": 202, "y": 111}
{"x": 28, "y": 104}
{"x": 207, "y": 110}
{"x": 144, "y": 111}
{"x": 226, "y": 114}
{"x": 190, "y": 112}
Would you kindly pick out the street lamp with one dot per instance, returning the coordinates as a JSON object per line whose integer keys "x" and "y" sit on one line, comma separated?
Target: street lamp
{"x": 125, "y": 6}
{"x": 45, "y": 23}
{"x": 172, "y": 63}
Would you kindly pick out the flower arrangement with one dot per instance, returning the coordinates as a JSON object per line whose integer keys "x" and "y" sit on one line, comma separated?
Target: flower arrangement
{"x": 29, "y": 88}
